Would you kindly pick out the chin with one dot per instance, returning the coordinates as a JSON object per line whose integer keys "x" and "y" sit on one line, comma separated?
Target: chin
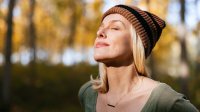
{"x": 100, "y": 58}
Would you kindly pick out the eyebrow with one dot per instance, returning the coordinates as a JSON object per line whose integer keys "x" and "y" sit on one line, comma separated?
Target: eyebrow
{"x": 113, "y": 21}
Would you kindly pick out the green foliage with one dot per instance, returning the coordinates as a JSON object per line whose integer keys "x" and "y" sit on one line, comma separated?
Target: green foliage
{"x": 55, "y": 88}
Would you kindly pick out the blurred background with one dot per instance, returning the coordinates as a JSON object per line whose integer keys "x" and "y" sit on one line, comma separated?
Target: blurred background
{"x": 46, "y": 50}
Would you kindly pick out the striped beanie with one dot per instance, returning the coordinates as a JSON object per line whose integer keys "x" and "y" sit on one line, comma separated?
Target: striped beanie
{"x": 147, "y": 25}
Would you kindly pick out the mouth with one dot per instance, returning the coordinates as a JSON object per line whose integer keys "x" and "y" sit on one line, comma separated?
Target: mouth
{"x": 101, "y": 44}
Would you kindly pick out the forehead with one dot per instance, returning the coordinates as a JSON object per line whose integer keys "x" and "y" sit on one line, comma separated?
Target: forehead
{"x": 115, "y": 17}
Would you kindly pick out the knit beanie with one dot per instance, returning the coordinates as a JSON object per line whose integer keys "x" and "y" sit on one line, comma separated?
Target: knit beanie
{"x": 147, "y": 25}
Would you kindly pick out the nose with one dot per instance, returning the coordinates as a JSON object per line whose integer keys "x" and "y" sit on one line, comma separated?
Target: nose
{"x": 101, "y": 33}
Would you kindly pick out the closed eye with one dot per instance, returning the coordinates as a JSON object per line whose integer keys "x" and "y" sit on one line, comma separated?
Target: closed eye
{"x": 114, "y": 28}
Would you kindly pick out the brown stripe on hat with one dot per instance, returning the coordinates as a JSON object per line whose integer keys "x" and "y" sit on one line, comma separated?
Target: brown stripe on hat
{"x": 150, "y": 23}
{"x": 147, "y": 25}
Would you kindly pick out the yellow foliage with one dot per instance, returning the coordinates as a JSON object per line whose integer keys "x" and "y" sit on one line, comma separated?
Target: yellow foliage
{"x": 18, "y": 33}
{"x": 86, "y": 30}
{"x": 2, "y": 33}
{"x": 165, "y": 43}
{"x": 154, "y": 5}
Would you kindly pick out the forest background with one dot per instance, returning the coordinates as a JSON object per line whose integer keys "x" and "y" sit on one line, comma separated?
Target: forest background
{"x": 46, "y": 49}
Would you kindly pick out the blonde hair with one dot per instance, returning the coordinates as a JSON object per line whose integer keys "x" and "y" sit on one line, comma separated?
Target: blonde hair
{"x": 101, "y": 83}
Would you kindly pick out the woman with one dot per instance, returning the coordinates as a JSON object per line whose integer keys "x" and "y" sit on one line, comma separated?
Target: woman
{"x": 124, "y": 40}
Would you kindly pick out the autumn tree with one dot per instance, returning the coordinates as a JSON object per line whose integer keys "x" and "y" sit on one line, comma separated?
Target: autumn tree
{"x": 184, "y": 58}
{"x": 8, "y": 51}
{"x": 32, "y": 31}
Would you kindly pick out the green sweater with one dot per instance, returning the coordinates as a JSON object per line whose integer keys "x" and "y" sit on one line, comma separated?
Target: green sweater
{"x": 162, "y": 99}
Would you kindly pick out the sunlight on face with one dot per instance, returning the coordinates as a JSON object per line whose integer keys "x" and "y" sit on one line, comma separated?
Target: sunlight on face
{"x": 113, "y": 41}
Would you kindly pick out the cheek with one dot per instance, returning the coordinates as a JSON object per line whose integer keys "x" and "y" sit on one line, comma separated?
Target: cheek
{"x": 122, "y": 44}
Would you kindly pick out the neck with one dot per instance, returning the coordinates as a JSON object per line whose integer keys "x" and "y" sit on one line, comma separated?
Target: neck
{"x": 121, "y": 79}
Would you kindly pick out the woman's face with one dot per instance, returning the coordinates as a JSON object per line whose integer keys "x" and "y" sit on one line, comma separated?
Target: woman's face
{"x": 113, "y": 43}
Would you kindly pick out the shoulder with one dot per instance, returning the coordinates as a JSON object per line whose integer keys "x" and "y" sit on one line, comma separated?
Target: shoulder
{"x": 84, "y": 88}
{"x": 170, "y": 100}
{"x": 183, "y": 105}
{"x": 84, "y": 91}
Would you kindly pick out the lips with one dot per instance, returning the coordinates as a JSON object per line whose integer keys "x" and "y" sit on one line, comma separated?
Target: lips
{"x": 101, "y": 44}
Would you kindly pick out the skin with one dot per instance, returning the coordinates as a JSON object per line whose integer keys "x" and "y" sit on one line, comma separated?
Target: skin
{"x": 118, "y": 58}
{"x": 115, "y": 33}
{"x": 118, "y": 55}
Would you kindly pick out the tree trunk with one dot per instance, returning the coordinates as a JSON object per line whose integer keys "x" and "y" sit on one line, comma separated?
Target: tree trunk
{"x": 72, "y": 25}
{"x": 148, "y": 4}
{"x": 197, "y": 63}
{"x": 32, "y": 32}
{"x": 32, "y": 43}
{"x": 184, "y": 58}
{"x": 6, "y": 92}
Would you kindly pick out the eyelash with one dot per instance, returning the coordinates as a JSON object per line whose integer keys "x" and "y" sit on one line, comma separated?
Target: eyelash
{"x": 114, "y": 28}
